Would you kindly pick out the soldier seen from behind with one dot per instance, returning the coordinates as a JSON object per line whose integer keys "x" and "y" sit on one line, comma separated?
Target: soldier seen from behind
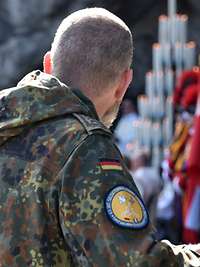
{"x": 66, "y": 197}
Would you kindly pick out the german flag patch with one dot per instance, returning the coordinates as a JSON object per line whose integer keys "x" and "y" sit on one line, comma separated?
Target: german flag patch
{"x": 110, "y": 165}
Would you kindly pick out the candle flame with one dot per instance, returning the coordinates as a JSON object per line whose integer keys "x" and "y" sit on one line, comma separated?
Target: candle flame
{"x": 191, "y": 45}
{"x": 156, "y": 45}
{"x": 184, "y": 17}
{"x": 163, "y": 18}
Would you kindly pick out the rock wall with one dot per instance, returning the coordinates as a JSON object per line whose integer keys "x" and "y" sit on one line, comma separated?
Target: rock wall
{"x": 27, "y": 29}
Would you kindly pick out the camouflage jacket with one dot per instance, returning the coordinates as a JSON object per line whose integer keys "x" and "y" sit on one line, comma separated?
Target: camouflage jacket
{"x": 61, "y": 177}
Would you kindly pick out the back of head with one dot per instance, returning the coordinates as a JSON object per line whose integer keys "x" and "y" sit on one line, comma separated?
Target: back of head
{"x": 92, "y": 47}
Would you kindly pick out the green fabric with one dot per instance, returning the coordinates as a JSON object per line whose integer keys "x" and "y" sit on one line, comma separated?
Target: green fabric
{"x": 52, "y": 188}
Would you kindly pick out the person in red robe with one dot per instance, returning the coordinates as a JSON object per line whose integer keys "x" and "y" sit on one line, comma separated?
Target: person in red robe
{"x": 185, "y": 155}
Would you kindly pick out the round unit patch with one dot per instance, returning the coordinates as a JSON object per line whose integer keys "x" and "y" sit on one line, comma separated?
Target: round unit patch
{"x": 125, "y": 208}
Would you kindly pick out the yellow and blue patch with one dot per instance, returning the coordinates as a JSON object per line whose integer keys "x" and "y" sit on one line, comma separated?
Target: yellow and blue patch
{"x": 125, "y": 208}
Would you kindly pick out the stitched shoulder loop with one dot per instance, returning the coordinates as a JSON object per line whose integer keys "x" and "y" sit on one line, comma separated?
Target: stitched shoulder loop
{"x": 91, "y": 124}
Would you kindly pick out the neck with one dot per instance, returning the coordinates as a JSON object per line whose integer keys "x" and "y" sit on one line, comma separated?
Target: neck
{"x": 102, "y": 102}
{"x": 100, "y": 106}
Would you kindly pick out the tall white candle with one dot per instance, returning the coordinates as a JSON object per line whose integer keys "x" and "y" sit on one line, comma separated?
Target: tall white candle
{"x": 144, "y": 106}
{"x": 153, "y": 107}
{"x": 169, "y": 116}
{"x": 169, "y": 82}
{"x": 163, "y": 29}
{"x": 157, "y": 134}
{"x": 173, "y": 29}
{"x": 140, "y": 106}
{"x": 149, "y": 84}
{"x": 178, "y": 54}
{"x": 136, "y": 131}
{"x": 161, "y": 104}
{"x": 138, "y": 124}
{"x": 165, "y": 134}
{"x": 167, "y": 131}
{"x": 148, "y": 130}
{"x": 146, "y": 134}
{"x": 157, "y": 57}
{"x": 140, "y": 138}
{"x": 182, "y": 29}
{"x": 166, "y": 48}
{"x": 172, "y": 8}
{"x": 157, "y": 107}
{"x": 189, "y": 55}
{"x": 159, "y": 80}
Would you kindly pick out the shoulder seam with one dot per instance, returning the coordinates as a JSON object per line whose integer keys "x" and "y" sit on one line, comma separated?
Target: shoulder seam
{"x": 88, "y": 127}
{"x": 77, "y": 146}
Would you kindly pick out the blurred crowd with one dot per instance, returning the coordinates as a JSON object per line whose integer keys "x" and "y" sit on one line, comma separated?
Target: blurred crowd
{"x": 171, "y": 192}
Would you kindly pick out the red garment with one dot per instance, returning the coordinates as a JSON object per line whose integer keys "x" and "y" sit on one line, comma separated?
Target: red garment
{"x": 191, "y": 208}
{"x": 186, "y": 80}
{"x": 189, "y": 96}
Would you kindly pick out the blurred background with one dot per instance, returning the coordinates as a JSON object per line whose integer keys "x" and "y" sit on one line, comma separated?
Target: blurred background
{"x": 27, "y": 29}
{"x": 157, "y": 129}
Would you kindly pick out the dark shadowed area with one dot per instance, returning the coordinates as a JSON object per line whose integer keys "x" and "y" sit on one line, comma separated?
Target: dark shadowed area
{"x": 27, "y": 29}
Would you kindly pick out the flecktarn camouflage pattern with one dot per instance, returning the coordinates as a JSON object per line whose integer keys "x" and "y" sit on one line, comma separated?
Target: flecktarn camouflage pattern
{"x": 58, "y": 166}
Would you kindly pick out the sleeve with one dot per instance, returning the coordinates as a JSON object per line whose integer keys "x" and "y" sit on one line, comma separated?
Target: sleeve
{"x": 102, "y": 216}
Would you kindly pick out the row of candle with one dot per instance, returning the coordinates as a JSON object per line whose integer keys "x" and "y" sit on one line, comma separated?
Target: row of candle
{"x": 172, "y": 29}
{"x": 182, "y": 56}
{"x": 155, "y": 108}
{"x": 151, "y": 107}
{"x": 159, "y": 83}
{"x": 148, "y": 134}
{"x": 172, "y": 55}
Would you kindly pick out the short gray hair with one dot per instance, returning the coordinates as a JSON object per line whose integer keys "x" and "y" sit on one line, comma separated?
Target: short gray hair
{"x": 91, "y": 48}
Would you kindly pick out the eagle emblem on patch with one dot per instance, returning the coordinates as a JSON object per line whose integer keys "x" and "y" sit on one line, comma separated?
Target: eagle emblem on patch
{"x": 125, "y": 208}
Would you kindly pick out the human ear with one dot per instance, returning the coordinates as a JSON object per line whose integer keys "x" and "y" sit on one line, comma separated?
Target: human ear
{"x": 47, "y": 65}
{"x": 124, "y": 82}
